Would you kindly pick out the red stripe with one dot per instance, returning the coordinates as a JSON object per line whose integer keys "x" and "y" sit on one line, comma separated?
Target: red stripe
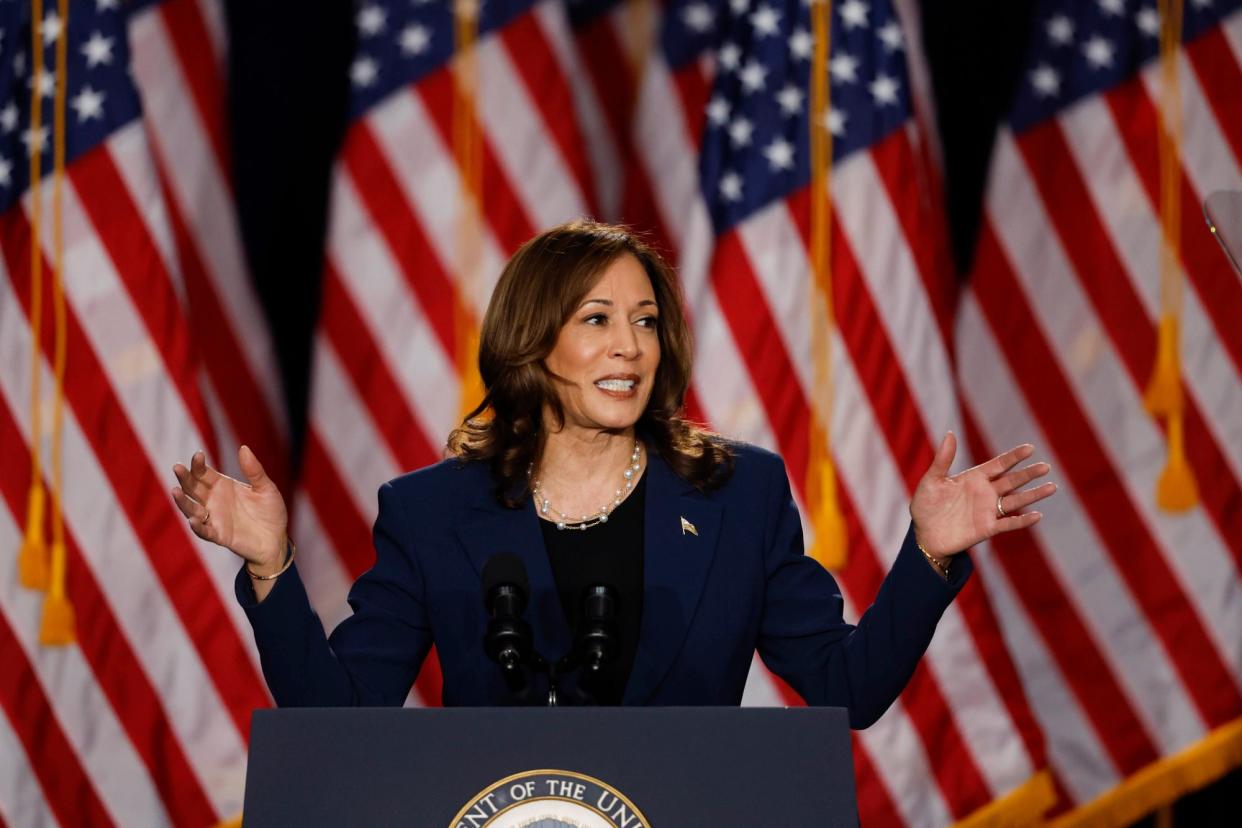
{"x": 907, "y": 185}
{"x": 380, "y": 195}
{"x": 506, "y": 213}
{"x": 191, "y": 41}
{"x": 693, "y": 89}
{"x": 1074, "y": 648}
{"x": 143, "y": 497}
{"x": 218, "y": 343}
{"x": 1220, "y": 79}
{"x": 534, "y": 58}
{"x": 1205, "y": 266}
{"x": 430, "y": 683}
{"x": 106, "y": 649}
{"x": 744, "y": 308}
{"x": 368, "y": 370}
{"x": 67, "y": 787}
{"x": 1136, "y": 556}
{"x": 1091, "y": 251}
{"x": 122, "y": 231}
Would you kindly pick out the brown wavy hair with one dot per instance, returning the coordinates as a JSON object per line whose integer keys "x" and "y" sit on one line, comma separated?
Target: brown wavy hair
{"x": 540, "y": 288}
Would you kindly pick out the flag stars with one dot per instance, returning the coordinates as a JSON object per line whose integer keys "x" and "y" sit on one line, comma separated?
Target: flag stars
{"x": 6, "y": 172}
{"x": 97, "y": 49}
{"x": 790, "y": 99}
{"x": 1113, "y": 8}
{"x": 843, "y": 68}
{"x": 35, "y": 138}
{"x": 47, "y": 83}
{"x": 1099, "y": 52}
{"x": 371, "y": 20}
{"x": 8, "y": 118}
{"x": 89, "y": 104}
{"x": 729, "y": 56}
{"x": 740, "y": 7}
{"x": 1046, "y": 81}
{"x": 884, "y": 90}
{"x": 698, "y": 17}
{"x": 414, "y": 40}
{"x": 107, "y": 5}
{"x": 740, "y": 132}
{"x": 1060, "y": 30}
{"x": 363, "y": 72}
{"x": 52, "y": 28}
{"x": 1201, "y": 4}
{"x": 731, "y": 187}
{"x": 766, "y": 21}
{"x": 718, "y": 111}
{"x": 834, "y": 121}
{"x": 801, "y": 44}
{"x": 1148, "y": 22}
{"x": 754, "y": 76}
{"x": 780, "y": 155}
{"x": 890, "y": 36}
{"x": 854, "y": 14}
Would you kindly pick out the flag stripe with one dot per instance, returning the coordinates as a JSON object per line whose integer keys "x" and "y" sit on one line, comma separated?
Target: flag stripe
{"x": 21, "y": 799}
{"x": 188, "y": 585}
{"x": 334, "y": 507}
{"x": 1218, "y": 71}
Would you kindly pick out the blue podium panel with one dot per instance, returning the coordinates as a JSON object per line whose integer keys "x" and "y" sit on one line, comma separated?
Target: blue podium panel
{"x": 551, "y": 768}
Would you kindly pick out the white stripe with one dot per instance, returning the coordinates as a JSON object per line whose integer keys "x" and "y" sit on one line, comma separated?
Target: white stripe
{"x": 1132, "y": 223}
{"x": 128, "y": 582}
{"x": 21, "y": 798}
{"x": 544, "y": 184}
{"x": 873, "y": 229}
{"x": 213, "y": 19}
{"x": 178, "y": 139}
{"x": 129, "y": 153}
{"x": 319, "y": 564}
{"x": 427, "y": 175}
{"x": 1232, "y": 29}
{"x": 391, "y": 313}
{"x": 349, "y": 436}
{"x": 1127, "y": 435}
{"x": 597, "y": 139}
{"x": 1074, "y": 550}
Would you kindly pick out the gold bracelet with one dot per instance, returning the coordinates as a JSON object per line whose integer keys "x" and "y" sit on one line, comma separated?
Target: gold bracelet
{"x": 293, "y": 553}
{"x": 942, "y": 568}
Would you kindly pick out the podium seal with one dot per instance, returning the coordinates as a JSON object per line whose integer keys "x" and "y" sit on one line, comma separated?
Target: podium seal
{"x": 549, "y": 799}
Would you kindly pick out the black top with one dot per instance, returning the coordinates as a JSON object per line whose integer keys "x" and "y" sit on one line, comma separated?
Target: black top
{"x": 610, "y": 553}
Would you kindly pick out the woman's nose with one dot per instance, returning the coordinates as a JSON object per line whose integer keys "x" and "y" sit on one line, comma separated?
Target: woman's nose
{"x": 626, "y": 343}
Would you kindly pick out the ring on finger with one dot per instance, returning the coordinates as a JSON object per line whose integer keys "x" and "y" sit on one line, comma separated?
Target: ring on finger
{"x": 1000, "y": 509}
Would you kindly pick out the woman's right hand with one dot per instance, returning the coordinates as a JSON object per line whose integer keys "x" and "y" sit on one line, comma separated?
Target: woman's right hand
{"x": 249, "y": 519}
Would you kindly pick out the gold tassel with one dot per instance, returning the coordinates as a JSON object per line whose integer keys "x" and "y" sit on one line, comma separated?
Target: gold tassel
{"x": 32, "y": 561}
{"x": 829, "y": 546}
{"x": 468, "y": 152}
{"x": 1164, "y": 392}
{"x": 1176, "y": 490}
{"x": 57, "y": 628}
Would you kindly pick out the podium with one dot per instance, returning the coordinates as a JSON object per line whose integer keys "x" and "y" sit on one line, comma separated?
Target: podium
{"x": 550, "y": 768}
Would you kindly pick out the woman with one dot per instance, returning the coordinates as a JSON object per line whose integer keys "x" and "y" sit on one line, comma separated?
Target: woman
{"x": 579, "y": 462}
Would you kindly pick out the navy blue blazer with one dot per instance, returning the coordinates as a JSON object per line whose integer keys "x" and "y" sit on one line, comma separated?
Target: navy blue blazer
{"x": 710, "y": 600}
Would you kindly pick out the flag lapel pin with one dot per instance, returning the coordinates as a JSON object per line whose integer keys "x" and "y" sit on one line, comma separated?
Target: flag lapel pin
{"x": 687, "y": 526}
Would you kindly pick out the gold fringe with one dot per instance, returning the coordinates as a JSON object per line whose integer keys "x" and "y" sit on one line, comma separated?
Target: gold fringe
{"x": 1164, "y": 391}
{"x": 1176, "y": 490}
{"x": 468, "y": 152}
{"x": 33, "y": 564}
{"x": 1024, "y": 805}
{"x": 1162, "y": 782}
{"x": 57, "y": 627}
{"x": 829, "y": 545}
{"x": 235, "y": 822}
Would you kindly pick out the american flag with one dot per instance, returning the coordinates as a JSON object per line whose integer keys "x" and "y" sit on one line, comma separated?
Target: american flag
{"x": 1124, "y": 619}
{"x": 689, "y": 121}
{"x": 143, "y": 720}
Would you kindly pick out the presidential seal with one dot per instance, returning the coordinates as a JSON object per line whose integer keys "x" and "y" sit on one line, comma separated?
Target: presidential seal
{"x": 549, "y": 799}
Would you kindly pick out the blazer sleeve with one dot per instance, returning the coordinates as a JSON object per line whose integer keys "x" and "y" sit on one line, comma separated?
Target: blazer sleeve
{"x": 372, "y": 657}
{"x": 803, "y": 636}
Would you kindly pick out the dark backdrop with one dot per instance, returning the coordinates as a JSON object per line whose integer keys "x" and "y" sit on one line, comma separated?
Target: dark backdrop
{"x": 288, "y": 95}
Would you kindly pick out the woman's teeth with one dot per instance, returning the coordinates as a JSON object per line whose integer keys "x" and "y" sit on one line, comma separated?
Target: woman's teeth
{"x": 615, "y": 385}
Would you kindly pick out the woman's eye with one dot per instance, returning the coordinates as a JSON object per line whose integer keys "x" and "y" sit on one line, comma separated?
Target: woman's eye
{"x": 649, "y": 321}
{"x": 596, "y": 319}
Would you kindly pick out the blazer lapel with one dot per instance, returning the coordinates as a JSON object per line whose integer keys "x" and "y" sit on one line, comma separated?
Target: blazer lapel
{"x": 679, "y": 541}
{"x": 491, "y": 529}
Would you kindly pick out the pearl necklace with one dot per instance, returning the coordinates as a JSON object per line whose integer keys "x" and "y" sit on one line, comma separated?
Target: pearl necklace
{"x": 564, "y": 521}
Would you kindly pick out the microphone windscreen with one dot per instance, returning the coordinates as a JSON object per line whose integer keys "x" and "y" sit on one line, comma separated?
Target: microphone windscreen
{"x": 504, "y": 569}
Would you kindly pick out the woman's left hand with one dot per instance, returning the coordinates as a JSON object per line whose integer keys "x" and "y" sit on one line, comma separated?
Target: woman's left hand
{"x": 953, "y": 513}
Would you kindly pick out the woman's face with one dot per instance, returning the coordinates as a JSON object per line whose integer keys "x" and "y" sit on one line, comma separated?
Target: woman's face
{"x": 607, "y": 353}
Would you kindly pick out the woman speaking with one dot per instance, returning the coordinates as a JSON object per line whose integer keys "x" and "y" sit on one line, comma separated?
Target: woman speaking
{"x": 579, "y": 463}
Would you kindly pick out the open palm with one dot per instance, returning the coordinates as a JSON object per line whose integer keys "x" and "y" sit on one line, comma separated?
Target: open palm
{"x": 952, "y": 513}
{"x": 248, "y": 518}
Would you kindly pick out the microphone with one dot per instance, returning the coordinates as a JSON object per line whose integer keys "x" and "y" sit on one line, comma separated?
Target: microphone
{"x": 507, "y": 640}
{"x": 598, "y": 635}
